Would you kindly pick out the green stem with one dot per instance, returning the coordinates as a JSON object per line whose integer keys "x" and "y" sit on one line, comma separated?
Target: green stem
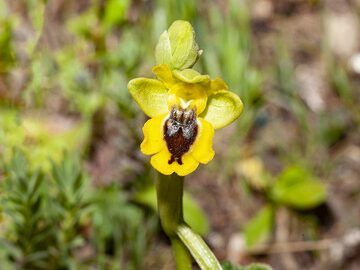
{"x": 169, "y": 191}
{"x": 181, "y": 254}
{"x": 198, "y": 248}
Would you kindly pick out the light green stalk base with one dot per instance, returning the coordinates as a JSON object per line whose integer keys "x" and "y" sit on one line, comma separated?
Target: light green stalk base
{"x": 169, "y": 195}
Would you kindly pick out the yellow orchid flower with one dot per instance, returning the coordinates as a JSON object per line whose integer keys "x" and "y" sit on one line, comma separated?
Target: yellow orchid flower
{"x": 185, "y": 107}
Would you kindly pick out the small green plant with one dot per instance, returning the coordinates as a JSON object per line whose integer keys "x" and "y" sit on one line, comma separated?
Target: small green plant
{"x": 295, "y": 188}
{"x": 44, "y": 212}
{"x": 123, "y": 228}
{"x": 48, "y": 218}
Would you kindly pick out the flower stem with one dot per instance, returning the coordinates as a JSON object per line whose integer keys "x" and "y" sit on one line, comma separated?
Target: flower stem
{"x": 181, "y": 254}
{"x": 169, "y": 191}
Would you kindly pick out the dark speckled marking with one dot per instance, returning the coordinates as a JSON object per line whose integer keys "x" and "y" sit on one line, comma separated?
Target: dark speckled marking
{"x": 180, "y": 131}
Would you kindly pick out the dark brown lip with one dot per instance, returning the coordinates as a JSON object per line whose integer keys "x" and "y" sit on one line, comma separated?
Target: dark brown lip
{"x": 180, "y": 131}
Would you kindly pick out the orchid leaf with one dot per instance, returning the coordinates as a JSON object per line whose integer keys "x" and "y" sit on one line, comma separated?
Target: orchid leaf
{"x": 297, "y": 187}
{"x": 259, "y": 227}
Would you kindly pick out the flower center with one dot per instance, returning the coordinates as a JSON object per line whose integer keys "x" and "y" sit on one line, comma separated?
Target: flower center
{"x": 180, "y": 131}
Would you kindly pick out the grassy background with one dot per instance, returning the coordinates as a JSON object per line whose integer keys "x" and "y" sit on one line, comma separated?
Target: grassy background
{"x": 76, "y": 193}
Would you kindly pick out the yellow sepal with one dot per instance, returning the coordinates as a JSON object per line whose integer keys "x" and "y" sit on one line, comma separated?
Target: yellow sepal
{"x": 222, "y": 108}
{"x": 177, "y": 46}
{"x": 151, "y": 95}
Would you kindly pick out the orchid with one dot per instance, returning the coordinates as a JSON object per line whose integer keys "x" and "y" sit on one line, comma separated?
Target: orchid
{"x": 185, "y": 108}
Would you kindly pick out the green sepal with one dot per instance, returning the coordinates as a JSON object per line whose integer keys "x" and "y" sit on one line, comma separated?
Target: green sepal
{"x": 151, "y": 95}
{"x": 163, "y": 50}
{"x": 177, "y": 47}
{"x": 222, "y": 108}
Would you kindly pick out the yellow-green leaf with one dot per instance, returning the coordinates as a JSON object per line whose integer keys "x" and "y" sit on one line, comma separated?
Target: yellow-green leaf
{"x": 222, "y": 109}
{"x": 151, "y": 95}
{"x": 259, "y": 227}
{"x": 297, "y": 187}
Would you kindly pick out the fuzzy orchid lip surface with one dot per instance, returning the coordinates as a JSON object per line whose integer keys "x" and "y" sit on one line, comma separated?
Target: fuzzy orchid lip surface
{"x": 184, "y": 107}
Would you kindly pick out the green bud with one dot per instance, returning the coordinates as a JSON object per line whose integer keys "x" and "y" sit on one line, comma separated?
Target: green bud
{"x": 177, "y": 47}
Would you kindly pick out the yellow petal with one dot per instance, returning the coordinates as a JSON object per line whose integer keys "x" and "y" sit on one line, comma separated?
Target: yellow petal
{"x": 202, "y": 149}
{"x": 153, "y": 136}
{"x": 217, "y": 84}
{"x": 151, "y": 95}
{"x": 191, "y": 76}
{"x": 189, "y": 165}
{"x": 160, "y": 162}
{"x": 164, "y": 74}
{"x": 222, "y": 108}
{"x": 193, "y": 94}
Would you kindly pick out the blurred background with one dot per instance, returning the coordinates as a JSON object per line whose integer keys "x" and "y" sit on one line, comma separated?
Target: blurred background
{"x": 284, "y": 185}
